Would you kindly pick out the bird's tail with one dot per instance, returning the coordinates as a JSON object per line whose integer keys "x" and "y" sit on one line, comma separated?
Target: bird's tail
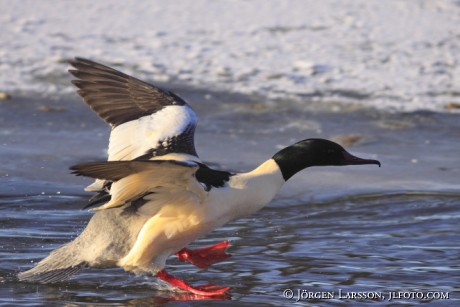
{"x": 58, "y": 266}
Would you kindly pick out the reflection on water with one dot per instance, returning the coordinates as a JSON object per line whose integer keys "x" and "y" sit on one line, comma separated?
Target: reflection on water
{"x": 371, "y": 243}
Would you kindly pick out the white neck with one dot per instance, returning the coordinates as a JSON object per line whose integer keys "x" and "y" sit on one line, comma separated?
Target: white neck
{"x": 249, "y": 192}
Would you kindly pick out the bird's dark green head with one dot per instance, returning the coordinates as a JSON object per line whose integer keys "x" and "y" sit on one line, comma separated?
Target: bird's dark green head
{"x": 315, "y": 152}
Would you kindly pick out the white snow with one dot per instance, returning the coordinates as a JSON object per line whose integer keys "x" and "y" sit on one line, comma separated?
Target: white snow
{"x": 389, "y": 54}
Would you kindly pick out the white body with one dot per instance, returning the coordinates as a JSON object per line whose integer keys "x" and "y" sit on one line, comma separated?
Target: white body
{"x": 176, "y": 224}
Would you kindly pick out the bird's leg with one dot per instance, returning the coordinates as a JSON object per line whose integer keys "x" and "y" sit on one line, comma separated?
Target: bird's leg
{"x": 205, "y": 290}
{"x": 204, "y": 257}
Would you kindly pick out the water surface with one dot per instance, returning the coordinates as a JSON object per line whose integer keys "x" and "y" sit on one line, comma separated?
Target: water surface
{"x": 366, "y": 243}
{"x": 354, "y": 228}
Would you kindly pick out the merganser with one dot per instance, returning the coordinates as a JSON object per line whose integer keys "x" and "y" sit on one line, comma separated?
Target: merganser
{"x": 157, "y": 196}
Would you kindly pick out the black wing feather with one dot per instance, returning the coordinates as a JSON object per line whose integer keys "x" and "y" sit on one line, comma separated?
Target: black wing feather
{"x": 116, "y": 170}
{"x": 101, "y": 197}
{"x": 117, "y": 97}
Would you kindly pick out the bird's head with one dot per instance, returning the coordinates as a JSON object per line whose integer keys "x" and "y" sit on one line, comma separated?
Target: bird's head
{"x": 315, "y": 152}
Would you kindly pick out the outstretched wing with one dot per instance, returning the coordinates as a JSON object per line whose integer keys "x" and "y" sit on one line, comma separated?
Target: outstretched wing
{"x": 165, "y": 181}
{"x": 146, "y": 120}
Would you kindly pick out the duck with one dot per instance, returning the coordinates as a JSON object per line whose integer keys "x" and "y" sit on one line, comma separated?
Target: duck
{"x": 154, "y": 196}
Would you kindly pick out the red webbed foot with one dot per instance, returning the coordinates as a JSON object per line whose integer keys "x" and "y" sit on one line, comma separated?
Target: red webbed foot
{"x": 204, "y": 290}
{"x": 204, "y": 257}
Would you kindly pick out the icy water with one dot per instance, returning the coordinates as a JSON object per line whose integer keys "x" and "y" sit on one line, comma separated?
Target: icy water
{"x": 365, "y": 243}
{"x": 330, "y": 231}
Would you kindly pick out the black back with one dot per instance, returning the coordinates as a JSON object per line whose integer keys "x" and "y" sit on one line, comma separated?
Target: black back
{"x": 212, "y": 178}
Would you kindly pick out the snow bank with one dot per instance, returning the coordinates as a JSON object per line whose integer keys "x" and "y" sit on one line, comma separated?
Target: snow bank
{"x": 388, "y": 54}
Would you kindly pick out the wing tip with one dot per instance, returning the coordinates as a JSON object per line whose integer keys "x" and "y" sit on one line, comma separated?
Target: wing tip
{"x": 77, "y": 60}
{"x": 76, "y": 169}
